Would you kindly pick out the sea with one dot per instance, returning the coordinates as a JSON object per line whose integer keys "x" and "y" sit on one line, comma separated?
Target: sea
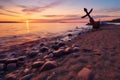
{"x": 18, "y": 33}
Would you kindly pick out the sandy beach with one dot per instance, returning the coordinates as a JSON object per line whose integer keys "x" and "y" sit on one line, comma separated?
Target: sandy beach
{"x": 93, "y": 55}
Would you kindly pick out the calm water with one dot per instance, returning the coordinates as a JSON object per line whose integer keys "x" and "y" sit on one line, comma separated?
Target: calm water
{"x": 16, "y": 33}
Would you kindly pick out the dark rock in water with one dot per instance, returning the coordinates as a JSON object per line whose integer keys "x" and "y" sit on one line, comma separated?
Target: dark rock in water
{"x": 10, "y": 77}
{"x": 76, "y": 49}
{"x": 27, "y": 77}
{"x": 37, "y": 64}
{"x": 48, "y": 65}
{"x": 32, "y": 54}
{"x": 61, "y": 44}
{"x": 70, "y": 35}
{"x": 59, "y": 53}
{"x": 55, "y": 47}
{"x": 42, "y": 44}
{"x": 44, "y": 49}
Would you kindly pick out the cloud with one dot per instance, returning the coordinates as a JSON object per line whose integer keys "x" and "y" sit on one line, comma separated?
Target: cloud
{"x": 8, "y": 14}
{"x": 4, "y": 9}
{"x": 112, "y": 10}
{"x": 34, "y": 9}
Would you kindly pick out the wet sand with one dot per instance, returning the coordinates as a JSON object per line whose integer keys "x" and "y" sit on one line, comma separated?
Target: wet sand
{"x": 94, "y": 55}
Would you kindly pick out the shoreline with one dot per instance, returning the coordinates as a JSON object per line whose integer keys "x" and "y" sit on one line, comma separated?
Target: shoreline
{"x": 92, "y": 50}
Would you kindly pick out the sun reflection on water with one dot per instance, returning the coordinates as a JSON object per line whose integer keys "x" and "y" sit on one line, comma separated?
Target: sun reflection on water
{"x": 27, "y": 26}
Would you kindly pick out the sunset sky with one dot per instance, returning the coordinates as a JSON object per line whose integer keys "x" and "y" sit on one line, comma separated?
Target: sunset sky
{"x": 57, "y": 10}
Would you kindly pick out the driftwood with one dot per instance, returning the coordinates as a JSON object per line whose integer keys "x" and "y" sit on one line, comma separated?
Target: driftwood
{"x": 96, "y": 25}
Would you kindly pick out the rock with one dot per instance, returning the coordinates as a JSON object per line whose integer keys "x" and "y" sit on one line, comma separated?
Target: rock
{"x": 87, "y": 50}
{"x": 27, "y": 77}
{"x": 85, "y": 74}
{"x": 26, "y": 71}
{"x": 76, "y": 49}
{"x": 44, "y": 49}
{"x": 49, "y": 56}
{"x": 68, "y": 50}
{"x": 59, "y": 53}
{"x": 32, "y": 54}
{"x": 42, "y": 44}
{"x": 48, "y": 65}
{"x": 55, "y": 47}
{"x": 75, "y": 55}
{"x": 37, "y": 64}
{"x": 61, "y": 44}
{"x": 10, "y": 77}
{"x": 1, "y": 67}
{"x": 11, "y": 67}
{"x": 2, "y": 56}
{"x": 70, "y": 35}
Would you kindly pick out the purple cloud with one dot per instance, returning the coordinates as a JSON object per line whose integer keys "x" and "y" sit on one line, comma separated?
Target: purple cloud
{"x": 33, "y": 9}
{"x": 4, "y": 9}
{"x": 8, "y": 14}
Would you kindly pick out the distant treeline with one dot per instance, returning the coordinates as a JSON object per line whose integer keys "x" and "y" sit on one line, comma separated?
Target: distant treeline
{"x": 115, "y": 20}
{"x": 9, "y": 22}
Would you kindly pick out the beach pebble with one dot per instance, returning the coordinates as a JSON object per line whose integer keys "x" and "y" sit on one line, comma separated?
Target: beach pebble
{"x": 59, "y": 53}
{"x": 11, "y": 67}
{"x": 1, "y": 67}
{"x": 32, "y": 54}
{"x": 10, "y": 77}
{"x": 87, "y": 50}
{"x": 42, "y": 44}
{"x": 70, "y": 35}
{"x": 26, "y": 71}
{"x": 49, "y": 56}
{"x": 55, "y": 47}
{"x": 27, "y": 77}
{"x": 68, "y": 50}
{"x": 76, "y": 49}
{"x": 37, "y": 64}
{"x": 85, "y": 74}
{"x": 60, "y": 44}
{"x": 44, "y": 49}
{"x": 48, "y": 65}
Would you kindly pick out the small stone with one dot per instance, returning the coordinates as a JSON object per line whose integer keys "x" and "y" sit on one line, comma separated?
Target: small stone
{"x": 37, "y": 64}
{"x": 49, "y": 56}
{"x": 85, "y": 74}
{"x": 27, "y": 77}
{"x": 44, "y": 49}
{"x": 1, "y": 67}
{"x": 59, "y": 53}
{"x": 48, "y": 65}
{"x": 76, "y": 55}
{"x": 32, "y": 54}
{"x": 87, "y": 50}
{"x": 26, "y": 71}
{"x": 11, "y": 67}
{"x": 68, "y": 50}
{"x": 55, "y": 47}
{"x": 61, "y": 44}
{"x": 10, "y": 77}
{"x": 70, "y": 35}
{"x": 76, "y": 49}
{"x": 42, "y": 44}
